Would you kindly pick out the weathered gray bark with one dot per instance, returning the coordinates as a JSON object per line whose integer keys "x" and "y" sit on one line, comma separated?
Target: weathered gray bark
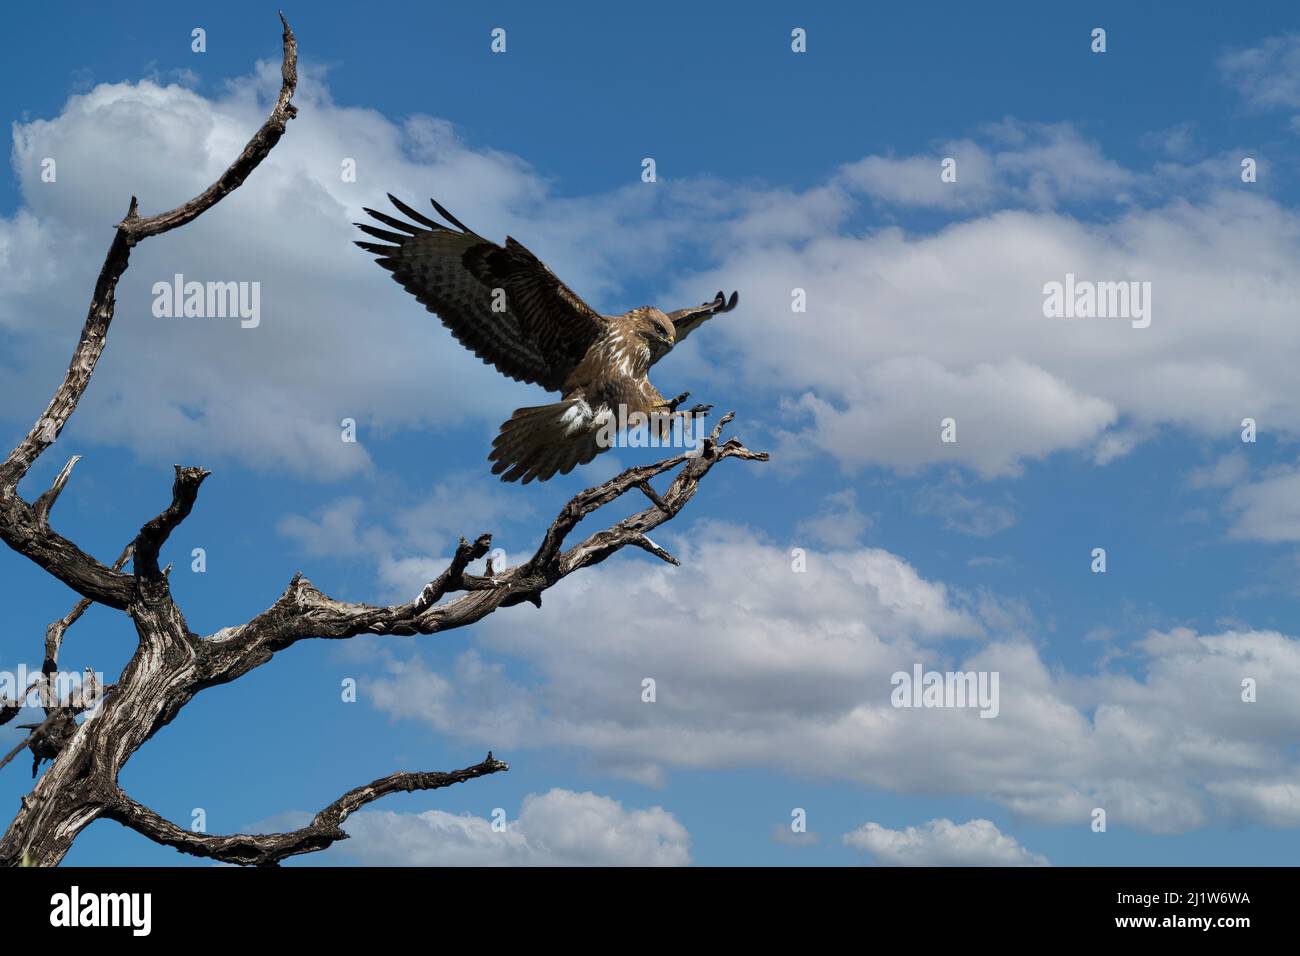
{"x": 171, "y": 664}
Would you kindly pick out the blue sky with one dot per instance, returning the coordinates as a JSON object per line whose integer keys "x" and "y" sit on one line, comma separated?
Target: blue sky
{"x": 776, "y": 171}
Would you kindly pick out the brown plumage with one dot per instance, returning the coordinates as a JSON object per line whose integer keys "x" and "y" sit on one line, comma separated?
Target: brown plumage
{"x": 505, "y": 306}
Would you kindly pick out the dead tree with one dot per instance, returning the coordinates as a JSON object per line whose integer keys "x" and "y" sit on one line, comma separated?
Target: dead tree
{"x": 171, "y": 664}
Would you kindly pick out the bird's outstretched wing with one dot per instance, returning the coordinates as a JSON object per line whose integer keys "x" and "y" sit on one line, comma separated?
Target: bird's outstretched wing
{"x": 686, "y": 321}
{"x": 544, "y": 330}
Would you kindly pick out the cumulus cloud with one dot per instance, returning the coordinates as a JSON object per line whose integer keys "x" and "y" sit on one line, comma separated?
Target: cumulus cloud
{"x": 795, "y": 675}
{"x": 942, "y": 843}
{"x": 1004, "y": 413}
{"x": 1025, "y": 164}
{"x": 1267, "y": 75}
{"x": 1274, "y": 802}
{"x": 1267, "y": 509}
{"x": 903, "y": 330}
{"x": 556, "y": 828}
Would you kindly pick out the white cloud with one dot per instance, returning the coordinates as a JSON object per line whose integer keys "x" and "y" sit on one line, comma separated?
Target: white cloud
{"x": 1267, "y": 75}
{"x": 335, "y": 531}
{"x": 758, "y": 666}
{"x": 838, "y": 523}
{"x": 556, "y": 828}
{"x": 906, "y": 329}
{"x": 1273, "y": 802}
{"x": 903, "y": 329}
{"x": 1224, "y": 472}
{"x": 1037, "y": 165}
{"x": 407, "y": 535}
{"x": 1267, "y": 509}
{"x": 1004, "y": 413}
{"x": 942, "y": 843}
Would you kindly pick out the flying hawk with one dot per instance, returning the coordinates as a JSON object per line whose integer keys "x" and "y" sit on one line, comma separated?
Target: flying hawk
{"x": 506, "y": 307}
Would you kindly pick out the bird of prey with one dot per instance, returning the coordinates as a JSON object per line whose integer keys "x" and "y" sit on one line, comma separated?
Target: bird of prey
{"x": 510, "y": 310}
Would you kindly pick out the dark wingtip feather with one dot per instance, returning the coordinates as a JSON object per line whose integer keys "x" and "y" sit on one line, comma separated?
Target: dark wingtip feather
{"x": 393, "y": 221}
{"x": 417, "y": 216}
{"x": 442, "y": 211}
{"x": 383, "y": 234}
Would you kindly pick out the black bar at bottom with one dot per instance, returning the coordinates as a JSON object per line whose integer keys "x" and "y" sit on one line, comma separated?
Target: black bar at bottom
{"x": 335, "y": 905}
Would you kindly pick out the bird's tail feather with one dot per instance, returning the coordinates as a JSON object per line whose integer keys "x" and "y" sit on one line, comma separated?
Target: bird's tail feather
{"x": 537, "y": 442}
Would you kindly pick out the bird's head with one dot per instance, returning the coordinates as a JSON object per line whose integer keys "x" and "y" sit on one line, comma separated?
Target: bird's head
{"x": 655, "y": 328}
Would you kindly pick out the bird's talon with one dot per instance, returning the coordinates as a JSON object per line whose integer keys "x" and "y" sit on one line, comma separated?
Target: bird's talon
{"x": 672, "y": 404}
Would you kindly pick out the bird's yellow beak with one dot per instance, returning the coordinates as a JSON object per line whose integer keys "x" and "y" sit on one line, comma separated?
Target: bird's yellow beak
{"x": 672, "y": 338}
